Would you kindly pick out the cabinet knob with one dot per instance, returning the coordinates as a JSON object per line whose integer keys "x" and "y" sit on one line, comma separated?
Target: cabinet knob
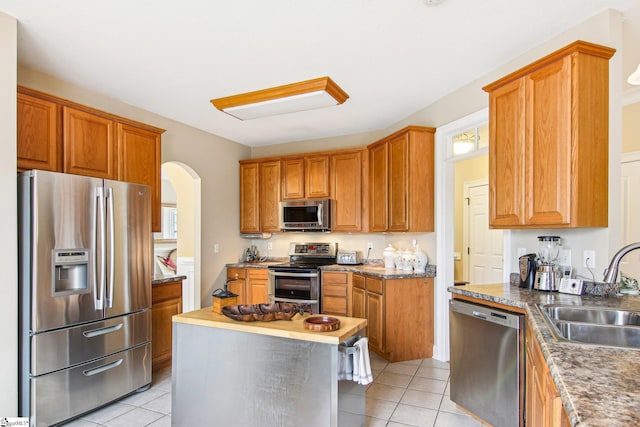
{"x": 237, "y": 276}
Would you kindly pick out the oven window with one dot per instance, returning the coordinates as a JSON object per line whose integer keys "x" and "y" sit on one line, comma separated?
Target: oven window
{"x": 299, "y": 288}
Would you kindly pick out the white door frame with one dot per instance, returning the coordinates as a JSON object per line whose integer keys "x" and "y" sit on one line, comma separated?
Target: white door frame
{"x": 444, "y": 170}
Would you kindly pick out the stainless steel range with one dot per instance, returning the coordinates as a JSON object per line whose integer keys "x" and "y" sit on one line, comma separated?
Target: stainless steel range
{"x": 298, "y": 280}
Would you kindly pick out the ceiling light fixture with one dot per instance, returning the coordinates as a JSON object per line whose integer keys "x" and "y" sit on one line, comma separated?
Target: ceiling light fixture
{"x": 634, "y": 78}
{"x": 301, "y": 96}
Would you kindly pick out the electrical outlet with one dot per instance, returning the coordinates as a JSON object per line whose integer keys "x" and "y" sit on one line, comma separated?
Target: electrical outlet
{"x": 589, "y": 259}
{"x": 370, "y": 246}
{"x": 216, "y": 248}
{"x": 269, "y": 246}
{"x": 565, "y": 257}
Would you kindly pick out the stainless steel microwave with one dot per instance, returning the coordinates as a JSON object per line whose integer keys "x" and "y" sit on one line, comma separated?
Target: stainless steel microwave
{"x": 305, "y": 215}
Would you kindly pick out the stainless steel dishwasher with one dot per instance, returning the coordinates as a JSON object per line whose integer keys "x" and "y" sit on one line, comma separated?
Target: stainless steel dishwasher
{"x": 487, "y": 362}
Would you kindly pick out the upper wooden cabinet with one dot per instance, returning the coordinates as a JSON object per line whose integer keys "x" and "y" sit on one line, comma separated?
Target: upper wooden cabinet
{"x": 401, "y": 181}
{"x": 348, "y": 179}
{"x": 89, "y": 144}
{"x": 548, "y": 141}
{"x": 38, "y": 134}
{"x": 139, "y": 162}
{"x": 305, "y": 177}
{"x": 269, "y": 196}
{"x": 62, "y": 136}
{"x": 259, "y": 196}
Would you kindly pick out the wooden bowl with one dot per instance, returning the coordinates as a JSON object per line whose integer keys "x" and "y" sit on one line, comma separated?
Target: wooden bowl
{"x": 321, "y": 323}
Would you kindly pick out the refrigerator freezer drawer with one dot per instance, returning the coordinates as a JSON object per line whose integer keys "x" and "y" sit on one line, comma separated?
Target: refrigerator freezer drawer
{"x": 60, "y": 349}
{"x": 71, "y": 392}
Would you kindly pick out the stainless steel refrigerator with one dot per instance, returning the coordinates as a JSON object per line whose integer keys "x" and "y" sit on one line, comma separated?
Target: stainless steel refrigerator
{"x": 85, "y": 270}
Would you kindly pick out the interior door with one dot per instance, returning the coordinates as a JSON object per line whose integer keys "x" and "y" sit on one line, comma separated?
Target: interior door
{"x": 630, "y": 211}
{"x": 128, "y": 249}
{"x": 485, "y": 246}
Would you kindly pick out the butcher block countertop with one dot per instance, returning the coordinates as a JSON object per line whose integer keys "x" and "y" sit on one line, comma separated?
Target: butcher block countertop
{"x": 598, "y": 385}
{"x": 293, "y": 329}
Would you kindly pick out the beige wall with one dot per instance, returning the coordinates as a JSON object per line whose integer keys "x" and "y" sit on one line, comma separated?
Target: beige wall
{"x": 8, "y": 218}
{"x": 631, "y": 128}
{"x": 466, "y": 170}
{"x": 212, "y": 158}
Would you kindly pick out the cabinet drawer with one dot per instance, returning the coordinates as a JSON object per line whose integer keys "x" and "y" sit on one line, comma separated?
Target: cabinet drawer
{"x": 334, "y": 290}
{"x": 233, "y": 271}
{"x": 358, "y": 281}
{"x": 334, "y": 305}
{"x": 258, "y": 273}
{"x": 375, "y": 285}
{"x": 331, "y": 277}
{"x": 165, "y": 291}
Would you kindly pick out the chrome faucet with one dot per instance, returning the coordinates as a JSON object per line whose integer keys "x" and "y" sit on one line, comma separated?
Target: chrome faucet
{"x": 611, "y": 273}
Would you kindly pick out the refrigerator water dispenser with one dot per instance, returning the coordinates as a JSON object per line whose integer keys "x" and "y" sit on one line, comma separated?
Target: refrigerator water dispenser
{"x": 71, "y": 271}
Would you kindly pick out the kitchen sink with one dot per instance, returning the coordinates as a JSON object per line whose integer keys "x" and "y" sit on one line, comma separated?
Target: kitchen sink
{"x": 593, "y": 325}
{"x": 598, "y": 315}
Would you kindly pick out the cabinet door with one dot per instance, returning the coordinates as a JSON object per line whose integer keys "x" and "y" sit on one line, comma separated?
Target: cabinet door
{"x": 378, "y": 187}
{"x": 89, "y": 144}
{"x": 166, "y": 302}
{"x": 292, "y": 179}
{"x": 257, "y": 286}
{"x": 399, "y": 183}
{"x": 506, "y": 154}
{"x": 358, "y": 303}
{"x": 139, "y": 162}
{"x": 346, "y": 191}
{"x": 335, "y": 293}
{"x": 548, "y": 145}
{"x": 236, "y": 283}
{"x": 270, "y": 196}
{"x": 316, "y": 171}
{"x": 39, "y": 145}
{"x": 375, "y": 320}
{"x": 249, "y": 198}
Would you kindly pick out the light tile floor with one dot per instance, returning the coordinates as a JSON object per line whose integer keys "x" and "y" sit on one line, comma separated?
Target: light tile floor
{"x": 413, "y": 393}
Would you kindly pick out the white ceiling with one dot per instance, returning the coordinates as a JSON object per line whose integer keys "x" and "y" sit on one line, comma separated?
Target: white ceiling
{"x": 393, "y": 57}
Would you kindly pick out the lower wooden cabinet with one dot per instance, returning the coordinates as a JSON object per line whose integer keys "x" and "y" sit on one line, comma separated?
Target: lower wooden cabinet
{"x": 399, "y": 315}
{"x": 543, "y": 406}
{"x": 250, "y": 284}
{"x": 166, "y": 301}
{"x": 335, "y": 293}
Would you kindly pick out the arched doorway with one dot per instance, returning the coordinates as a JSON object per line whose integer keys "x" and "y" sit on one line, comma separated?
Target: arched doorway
{"x": 186, "y": 184}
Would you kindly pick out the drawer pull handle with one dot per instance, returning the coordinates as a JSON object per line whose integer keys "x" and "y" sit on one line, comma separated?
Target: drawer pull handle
{"x": 99, "y": 369}
{"x": 102, "y": 331}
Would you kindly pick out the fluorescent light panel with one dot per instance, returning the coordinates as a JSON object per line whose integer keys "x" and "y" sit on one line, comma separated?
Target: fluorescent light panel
{"x": 301, "y": 96}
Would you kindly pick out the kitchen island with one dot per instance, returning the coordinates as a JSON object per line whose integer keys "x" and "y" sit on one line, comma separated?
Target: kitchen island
{"x": 598, "y": 385}
{"x": 227, "y": 372}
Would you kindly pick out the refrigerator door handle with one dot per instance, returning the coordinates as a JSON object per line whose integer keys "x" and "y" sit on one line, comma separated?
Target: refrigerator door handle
{"x": 109, "y": 302}
{"x": 98, "y": 230}
{"x": 99, "y": 369}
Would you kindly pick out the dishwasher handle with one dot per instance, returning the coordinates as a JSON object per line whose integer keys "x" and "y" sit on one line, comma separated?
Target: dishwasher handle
{"x": 488, "y": 314}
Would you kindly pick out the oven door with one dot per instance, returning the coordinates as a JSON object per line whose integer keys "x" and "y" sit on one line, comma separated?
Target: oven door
{"x": 295, "y": 286}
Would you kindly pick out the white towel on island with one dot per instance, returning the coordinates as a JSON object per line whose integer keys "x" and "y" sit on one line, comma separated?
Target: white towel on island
{"x": 361, "y": 364}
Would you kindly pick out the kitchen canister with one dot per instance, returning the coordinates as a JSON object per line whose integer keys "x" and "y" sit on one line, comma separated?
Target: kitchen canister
{"x": 420, "y": 260}
{"x": 389, "y": 255}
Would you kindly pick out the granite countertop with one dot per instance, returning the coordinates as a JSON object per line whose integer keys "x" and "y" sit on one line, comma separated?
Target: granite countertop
{"x": 372, "y": 268}
{"x": 599, "y": 386}
{"x": 159, "y": 279}
{"x": 293, "y": 329}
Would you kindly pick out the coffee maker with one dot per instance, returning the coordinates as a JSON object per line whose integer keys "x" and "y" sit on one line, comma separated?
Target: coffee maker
{"x": 528, "y": 267}
{"x": 548, "y": 275}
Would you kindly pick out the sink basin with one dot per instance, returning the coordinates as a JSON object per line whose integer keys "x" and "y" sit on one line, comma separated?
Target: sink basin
{"x": 593, "y": 325}
{"x": 598, "y": 315}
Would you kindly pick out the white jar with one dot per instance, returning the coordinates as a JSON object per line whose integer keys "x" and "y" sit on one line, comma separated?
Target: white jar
{"x": 407, "y": 261}
{"x": 420, "y": 260}
{"x": 389, "y": 255}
